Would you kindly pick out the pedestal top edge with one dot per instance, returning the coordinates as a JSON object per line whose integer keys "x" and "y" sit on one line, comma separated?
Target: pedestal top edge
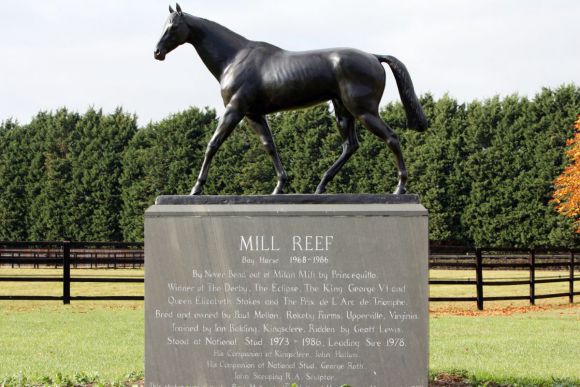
{"x": 259, "y": 210}
{"x": 287, "y": 199}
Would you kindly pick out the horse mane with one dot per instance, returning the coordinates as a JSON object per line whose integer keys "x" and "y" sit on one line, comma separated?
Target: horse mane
{"x": 220, "y": 32}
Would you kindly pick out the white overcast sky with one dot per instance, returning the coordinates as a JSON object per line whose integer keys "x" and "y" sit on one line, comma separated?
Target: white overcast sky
{"x": 99, "y": 53}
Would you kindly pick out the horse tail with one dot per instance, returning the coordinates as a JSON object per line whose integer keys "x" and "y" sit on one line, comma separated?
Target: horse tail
{"x": 415, "y": 116}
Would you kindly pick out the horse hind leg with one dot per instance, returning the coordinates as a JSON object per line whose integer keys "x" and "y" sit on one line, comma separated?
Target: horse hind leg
{"x": 260, "y": 125}
{"x": 373, "y": 122}
{"x": 345, "y": 122}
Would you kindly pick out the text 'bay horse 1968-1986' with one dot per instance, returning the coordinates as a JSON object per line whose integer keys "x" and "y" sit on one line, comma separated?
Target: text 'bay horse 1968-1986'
{"x": 257, "y": 78}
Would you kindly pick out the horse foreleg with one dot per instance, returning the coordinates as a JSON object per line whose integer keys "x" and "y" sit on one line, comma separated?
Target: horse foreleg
{"x": 385, "y": 133}
{"x": 260, "y": 125}
{"x": 225, "y": 127}
{"x": 346, "y": 128}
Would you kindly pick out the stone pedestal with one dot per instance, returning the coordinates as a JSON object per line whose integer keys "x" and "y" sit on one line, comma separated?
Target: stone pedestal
{"x": 268, "y": 291}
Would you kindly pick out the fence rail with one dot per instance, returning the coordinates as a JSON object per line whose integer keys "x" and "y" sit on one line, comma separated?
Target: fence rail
{"x": 441, "y": 257}
{"x": 81, "y": 254}
{"x": 122, "y": 255}
{"x": 76, "y": 254}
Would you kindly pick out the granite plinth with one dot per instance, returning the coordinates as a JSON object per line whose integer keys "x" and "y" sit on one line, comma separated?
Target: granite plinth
{"x": 248, "y": 294}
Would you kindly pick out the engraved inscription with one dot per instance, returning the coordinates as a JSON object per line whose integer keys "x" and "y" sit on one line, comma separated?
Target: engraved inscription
{"x": 283, "y": 311}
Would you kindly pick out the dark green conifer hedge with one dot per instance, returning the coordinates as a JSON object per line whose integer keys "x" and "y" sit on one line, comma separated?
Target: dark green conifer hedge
{"x": 484, "y": 169}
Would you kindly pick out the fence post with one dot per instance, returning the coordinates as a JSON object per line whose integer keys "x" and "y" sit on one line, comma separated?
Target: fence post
{"x": 66, "y": 272}
{"x": 532, "y": 263}
{"x": 571, "y": 285}
{"x": 479, "y": 278}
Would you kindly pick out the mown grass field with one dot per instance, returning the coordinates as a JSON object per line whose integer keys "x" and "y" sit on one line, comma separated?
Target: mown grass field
{"x": 534, "y": 348}
{"x": 509, "y": 342}
{"x": 44, "y": 338}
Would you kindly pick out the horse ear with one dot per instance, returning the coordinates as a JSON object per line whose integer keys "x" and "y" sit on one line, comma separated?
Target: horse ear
{"x": 170, "y": 9}
{"x": 178, "y": 8}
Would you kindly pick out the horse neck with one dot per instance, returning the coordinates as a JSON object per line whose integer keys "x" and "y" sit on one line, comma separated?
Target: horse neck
{"x": 216, "y": 45}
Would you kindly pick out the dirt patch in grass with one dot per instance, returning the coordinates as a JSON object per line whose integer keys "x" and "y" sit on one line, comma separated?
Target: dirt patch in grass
{"x": 452, "y": 380}
{"x": 445, "y": 379}
{"x": 563, "y": 309}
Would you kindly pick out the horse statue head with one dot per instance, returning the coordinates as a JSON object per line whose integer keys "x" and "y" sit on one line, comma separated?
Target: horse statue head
{"x": 175, "y": 33}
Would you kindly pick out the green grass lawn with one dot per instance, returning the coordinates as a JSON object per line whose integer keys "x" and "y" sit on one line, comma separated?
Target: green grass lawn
{"x": 54, "y": 338}
{"x": 42, "y": 339}
{"x": 534, "y": 347}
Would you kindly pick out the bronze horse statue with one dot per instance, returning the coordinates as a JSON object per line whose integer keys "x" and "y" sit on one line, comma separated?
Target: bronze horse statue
{"x": 257, "y": 78}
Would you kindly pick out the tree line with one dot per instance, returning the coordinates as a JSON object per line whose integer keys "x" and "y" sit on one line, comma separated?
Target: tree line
{"x": 483, "y": 169}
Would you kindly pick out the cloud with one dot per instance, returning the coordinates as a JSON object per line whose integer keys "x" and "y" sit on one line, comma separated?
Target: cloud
{"x": 99, "y": 52}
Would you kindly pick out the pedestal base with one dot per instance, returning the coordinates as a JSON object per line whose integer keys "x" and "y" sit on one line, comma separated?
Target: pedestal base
{"x": 318, "y": 294}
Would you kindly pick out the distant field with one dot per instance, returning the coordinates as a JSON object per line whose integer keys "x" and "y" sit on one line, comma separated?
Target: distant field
{"x": 77, "y": 289}
{"x": 488, "y": 275}
{"x": 91, "y": 289}
{"x": 43, "y": 339}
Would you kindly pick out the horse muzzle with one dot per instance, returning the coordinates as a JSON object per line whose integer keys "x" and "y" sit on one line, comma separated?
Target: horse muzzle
{"x": 159, "y": 54}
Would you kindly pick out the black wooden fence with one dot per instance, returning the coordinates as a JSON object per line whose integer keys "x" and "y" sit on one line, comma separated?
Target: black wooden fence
{"x": 122, "y": 255}
{"x": 66, "y": 254}
{"x": 478, "y": 259}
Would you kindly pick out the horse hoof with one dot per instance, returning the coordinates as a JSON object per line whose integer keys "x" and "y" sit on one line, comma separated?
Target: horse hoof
{"x": 400, "y": 191}
{"x": 195, "y": 191}
{"x": 319, "y": 191}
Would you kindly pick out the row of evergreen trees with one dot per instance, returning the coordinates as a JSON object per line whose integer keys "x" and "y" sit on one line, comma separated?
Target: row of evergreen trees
{"x": 484, "y": 169}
